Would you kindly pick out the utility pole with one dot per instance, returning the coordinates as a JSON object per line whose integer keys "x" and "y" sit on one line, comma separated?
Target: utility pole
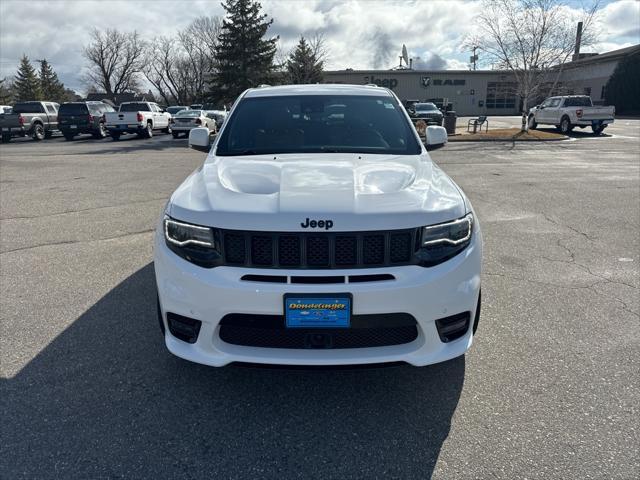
{"x": 474, "y": 57}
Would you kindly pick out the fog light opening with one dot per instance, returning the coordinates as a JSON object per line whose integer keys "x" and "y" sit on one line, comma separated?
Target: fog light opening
{"x": 453, "y": 327}
{"x": 183, "y": 328}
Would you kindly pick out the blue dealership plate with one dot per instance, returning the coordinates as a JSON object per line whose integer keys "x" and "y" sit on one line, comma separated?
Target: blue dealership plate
{"x": 318, "y": 311}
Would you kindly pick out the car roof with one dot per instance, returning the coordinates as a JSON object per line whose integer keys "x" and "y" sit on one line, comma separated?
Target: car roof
{"x": 317, "y": 89}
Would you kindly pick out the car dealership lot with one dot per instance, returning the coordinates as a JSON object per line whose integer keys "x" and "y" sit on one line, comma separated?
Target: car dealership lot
{"x": 549, "y": 389}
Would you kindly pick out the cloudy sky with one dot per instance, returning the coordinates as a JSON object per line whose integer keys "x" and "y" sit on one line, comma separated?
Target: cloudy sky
{"x": 360, "y": 33}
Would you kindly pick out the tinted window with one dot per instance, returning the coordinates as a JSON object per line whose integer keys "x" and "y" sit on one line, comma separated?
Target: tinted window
{"x": 554, "y": 102}
{"x": 577, "y": 102}
{"x": 318, "y": 123}
{"x": 73, "y": 109}
{"x": 135, "y": 107}
{"x": 190, "y": 113}
{"x": 28, "y": 108}
{"x": 174, "y": 110}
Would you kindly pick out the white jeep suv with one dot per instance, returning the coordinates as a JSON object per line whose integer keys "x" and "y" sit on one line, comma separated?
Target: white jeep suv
{"x": 318, "y": 232}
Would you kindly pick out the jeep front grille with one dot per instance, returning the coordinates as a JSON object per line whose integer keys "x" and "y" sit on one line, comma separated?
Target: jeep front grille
{"x": 319, "y": 250}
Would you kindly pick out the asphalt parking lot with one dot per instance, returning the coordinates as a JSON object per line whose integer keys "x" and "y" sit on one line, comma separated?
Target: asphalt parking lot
{"x": 550, "y": 388}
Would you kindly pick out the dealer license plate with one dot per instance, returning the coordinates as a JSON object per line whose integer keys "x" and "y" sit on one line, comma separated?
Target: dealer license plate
{"x": 318, "y": 310}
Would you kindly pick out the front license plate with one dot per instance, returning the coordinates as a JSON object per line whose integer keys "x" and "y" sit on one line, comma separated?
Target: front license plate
{"x": 318, "y": 310}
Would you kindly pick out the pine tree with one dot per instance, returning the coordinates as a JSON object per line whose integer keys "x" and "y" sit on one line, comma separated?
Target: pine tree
{"x": 623, "y": 89}
{"x": 26, "y": 84}
{"x": 6, "y": 92}
{"x": 50, "y": 87}
{"x": 303, "y": 66}
{"x": 244, "y": 59}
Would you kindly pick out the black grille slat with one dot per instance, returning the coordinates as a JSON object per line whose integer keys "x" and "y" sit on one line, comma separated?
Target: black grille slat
{"x": 262, "y": 250}
{"x": 318, "y": 250}
{"x": 400, "y": 247}
{"x": 289, "y": 253}
{"x": 373, "y": 249}
{"x": 234, "y": 248}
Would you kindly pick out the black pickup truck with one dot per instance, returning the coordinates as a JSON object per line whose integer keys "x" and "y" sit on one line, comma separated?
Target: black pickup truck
{"x": 35, "y": 119}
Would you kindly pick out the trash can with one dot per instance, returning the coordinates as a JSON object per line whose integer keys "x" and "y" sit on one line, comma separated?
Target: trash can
{"x": 450, "y": 122}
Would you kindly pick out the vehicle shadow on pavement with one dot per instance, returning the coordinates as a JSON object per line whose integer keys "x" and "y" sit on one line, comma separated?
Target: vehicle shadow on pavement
{"x": 105, "y": 399}
{"x": 578, "y": 133}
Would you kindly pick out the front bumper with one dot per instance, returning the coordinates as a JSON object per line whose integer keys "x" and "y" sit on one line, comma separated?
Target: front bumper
{"x": 427, "y": 294}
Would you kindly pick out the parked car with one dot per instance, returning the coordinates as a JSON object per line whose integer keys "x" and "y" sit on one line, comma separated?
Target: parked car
{"x": 185, "y": 120}
{"x": 218, "y": 115}
{"x": 571, "y": 111}
{"x": 196, "y": 106}
{"x": 35, "y": 119}
{"x": 75, "y": 118}
{"x": 176, "y": 108}
{"x": 427, "y": 112}
{"x": 317, "y": 232}
{"x": 5, "y": 108}
{"x": 137, "y": 117}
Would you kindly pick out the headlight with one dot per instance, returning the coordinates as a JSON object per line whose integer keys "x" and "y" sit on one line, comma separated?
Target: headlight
{"x": 445, "y": 240}
{"x": 196, "y": 244}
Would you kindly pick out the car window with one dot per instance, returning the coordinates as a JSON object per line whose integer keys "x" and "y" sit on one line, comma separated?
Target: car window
{"x": 135, "y": 107}
{"x": 554, "y": 102}
{"x": 190, "y": 113}
{"x": 50, "y": 109}
{"x": 28, "y": 108}
{"x": 577, "y": 102}
{"x": 318, "y": 123}
{"x": 73, "y": 109}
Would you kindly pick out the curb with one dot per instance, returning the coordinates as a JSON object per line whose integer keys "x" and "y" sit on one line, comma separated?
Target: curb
{"x": 505, "y": 139}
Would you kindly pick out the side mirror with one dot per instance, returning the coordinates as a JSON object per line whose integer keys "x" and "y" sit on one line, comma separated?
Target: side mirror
{"x": 199, "y": 139}
{"x": 436, "y": 136}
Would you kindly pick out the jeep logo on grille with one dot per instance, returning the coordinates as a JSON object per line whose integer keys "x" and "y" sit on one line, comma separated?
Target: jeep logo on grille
{"x": 326, "y": 224}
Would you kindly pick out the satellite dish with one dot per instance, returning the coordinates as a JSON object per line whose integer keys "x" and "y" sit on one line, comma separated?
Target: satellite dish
{"x": 405, "y": 55}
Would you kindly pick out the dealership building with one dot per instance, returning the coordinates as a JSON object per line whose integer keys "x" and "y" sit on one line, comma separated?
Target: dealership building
{"x": 486, "y": 92}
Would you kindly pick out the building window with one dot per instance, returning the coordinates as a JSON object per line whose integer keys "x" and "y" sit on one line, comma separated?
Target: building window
{"x": 501, "y": 95}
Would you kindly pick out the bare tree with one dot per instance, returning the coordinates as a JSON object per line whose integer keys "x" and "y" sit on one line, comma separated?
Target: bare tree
{"x": 115, "y": 60}
{"x": 178, "y": 66}
{"x": 319, "y": 47}
{"x": 531, "y": 38}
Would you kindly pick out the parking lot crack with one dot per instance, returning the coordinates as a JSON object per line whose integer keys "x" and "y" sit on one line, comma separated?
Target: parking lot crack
{"x": 81, "y": 210}
{"x": 70, "y": 242}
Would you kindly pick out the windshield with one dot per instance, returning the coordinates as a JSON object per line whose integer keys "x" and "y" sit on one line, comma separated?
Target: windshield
{"x": 135, "y": 107}
{"x": 425, "y": 107}
{"x": 73, "y": 109}
{"x": 318, "y": 123}
{"x": 173, "y": 110}
{"x": 190, "y": 113}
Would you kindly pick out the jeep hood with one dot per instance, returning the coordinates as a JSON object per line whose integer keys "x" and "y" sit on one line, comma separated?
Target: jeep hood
{"x": 355, "y": 191}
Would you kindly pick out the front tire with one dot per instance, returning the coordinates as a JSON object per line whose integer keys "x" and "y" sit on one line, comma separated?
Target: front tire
{"x": 148, "y": 133}
{"x": 38, "y": 132}
{"x": 532, "y": 123}
{"x": 565, "y": 125}
{"x": 168, "y": 130}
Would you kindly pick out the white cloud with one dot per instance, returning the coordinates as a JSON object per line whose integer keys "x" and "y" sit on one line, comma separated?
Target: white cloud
{"x": 358, "y": 32}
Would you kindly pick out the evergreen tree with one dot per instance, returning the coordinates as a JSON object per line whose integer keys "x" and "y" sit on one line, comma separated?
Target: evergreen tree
{"x": 50, "y": 87}
{"x": 623, "y": 88}
{"x": 26, "y": 84}
{"x": 244, "y": 59}
{"x": 303, "y": 66}
{"x": 6, "y": 92}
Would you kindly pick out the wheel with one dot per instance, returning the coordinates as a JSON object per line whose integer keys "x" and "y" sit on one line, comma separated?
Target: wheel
{"x": 48, "y": 134}
{"x": 148, "y": 133}
{"x": 175, "y": 134}
{"x": 598, "y": 130}
{"x": 168, "y": 129}
{"x": 532, "y": 122}
{"x": 565, "y": 125}
{"x": 68, "y": 136}
{"x": 38, "y": 132}
{"x": 102, "y": 131}
{"x": 115, "y": 136}
{"x": 6, "y": 137}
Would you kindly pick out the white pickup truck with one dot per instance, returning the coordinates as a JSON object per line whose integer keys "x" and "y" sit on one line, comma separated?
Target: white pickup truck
{"x": 137, "y": 117}
{"x": 571, "y": 111}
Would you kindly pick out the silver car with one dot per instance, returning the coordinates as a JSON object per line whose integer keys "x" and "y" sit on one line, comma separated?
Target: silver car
{"x": 185, "y": 120}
